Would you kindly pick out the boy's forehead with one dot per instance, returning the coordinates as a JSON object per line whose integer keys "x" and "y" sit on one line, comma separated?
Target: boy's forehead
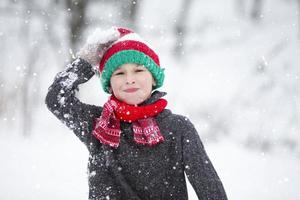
{"x": 130, "y": 65}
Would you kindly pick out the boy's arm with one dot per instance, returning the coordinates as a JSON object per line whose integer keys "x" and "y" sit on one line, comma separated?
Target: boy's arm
{"x": 61, "y": 100}
{"x": 198, "y": 167}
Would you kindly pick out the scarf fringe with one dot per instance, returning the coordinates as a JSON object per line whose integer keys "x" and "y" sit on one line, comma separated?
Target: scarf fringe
{"x": 146, "y": 131}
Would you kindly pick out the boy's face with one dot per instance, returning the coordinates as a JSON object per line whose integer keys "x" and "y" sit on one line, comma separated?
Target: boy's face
{"x": 132, "y": 83}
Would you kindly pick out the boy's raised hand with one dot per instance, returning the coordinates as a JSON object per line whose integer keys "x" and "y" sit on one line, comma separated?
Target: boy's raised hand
{"x": 96, "y": 45}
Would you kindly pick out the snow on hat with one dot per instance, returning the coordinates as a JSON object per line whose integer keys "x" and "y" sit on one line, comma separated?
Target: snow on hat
{"x": 129, "y": 48}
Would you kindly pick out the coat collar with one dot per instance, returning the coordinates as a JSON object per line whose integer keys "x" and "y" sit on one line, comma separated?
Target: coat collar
{"x": 156, "y": 95}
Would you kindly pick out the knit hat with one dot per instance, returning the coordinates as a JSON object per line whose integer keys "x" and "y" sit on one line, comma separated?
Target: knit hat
{"x": 129, "y": 48}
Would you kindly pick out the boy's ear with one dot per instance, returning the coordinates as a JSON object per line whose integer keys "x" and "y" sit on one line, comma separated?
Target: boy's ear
{"x": 153, "y": 82}
{"x": 110, "y": 90}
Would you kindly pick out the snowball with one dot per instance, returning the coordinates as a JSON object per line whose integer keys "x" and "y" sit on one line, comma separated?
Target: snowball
{"x": 103, "y": 36}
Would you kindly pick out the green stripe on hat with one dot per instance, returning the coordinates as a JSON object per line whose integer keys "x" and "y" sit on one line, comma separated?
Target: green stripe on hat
{"x": 131, "y": 56}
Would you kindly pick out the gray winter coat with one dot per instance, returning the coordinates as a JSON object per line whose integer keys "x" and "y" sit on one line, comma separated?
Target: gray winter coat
{"x": 133, "y": 171}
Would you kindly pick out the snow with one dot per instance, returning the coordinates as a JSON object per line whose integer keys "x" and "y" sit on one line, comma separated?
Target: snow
{"x": 53, "y": 166}
{"x": 72, "y": 77}
{"x": 100, "y": 36}
{"x": 238, "y": 82}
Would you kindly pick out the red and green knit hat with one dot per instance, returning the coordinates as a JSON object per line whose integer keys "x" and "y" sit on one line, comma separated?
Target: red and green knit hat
{"x": 129, "y": 48}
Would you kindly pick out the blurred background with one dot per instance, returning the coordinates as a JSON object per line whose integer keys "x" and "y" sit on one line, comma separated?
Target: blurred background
{"x": 231, "y": 66}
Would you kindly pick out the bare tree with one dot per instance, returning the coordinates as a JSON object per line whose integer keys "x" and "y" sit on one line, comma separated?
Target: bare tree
{"x": 129, "y": 11}
{"x": 77, "y": 9}
{"x": 181, "y": 28}
{"x": 256, "y": 11}
{"x": 30, "y": 60}
{"x": 253, "y": 9}
{"x": 299, "y": 19}
{"x": 24, "y": 104}
{"x": 240, "y": 7}
{"x": 50, "y": 22}
{"x": 21, "y": 97}
{"x": 2, "y": 93}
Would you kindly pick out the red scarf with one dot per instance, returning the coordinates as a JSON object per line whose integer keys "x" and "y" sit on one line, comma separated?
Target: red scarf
{"x": 146, "y": 131}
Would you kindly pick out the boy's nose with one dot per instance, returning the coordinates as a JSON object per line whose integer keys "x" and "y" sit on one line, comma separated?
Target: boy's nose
{"x": 130, "y": 79}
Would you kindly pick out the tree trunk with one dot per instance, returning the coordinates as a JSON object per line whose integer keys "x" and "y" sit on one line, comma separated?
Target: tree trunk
{"x": 77, "y": 9}
{"x": 2, "y": 93}
{"x": 134, "y": 7}
{"x": 240, "y": 7}
{"x": 180, "y": 28}
{"x": 26, "y": 113}
{"x": 256, "y": 11}
{"x": 299, "y": 18}
{"x": 25, "y": 104}
{"x": 129, "y": 10}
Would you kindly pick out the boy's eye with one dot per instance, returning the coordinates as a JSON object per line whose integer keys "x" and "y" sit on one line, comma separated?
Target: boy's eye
{"x": 140, "y": 69}
{"x": 118, "y": 73}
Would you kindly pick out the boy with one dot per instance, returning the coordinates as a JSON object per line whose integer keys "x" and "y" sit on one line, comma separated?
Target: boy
{"x": 138, "y": 149}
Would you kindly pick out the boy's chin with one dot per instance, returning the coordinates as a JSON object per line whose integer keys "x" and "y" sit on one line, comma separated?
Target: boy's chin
{"x": 134, "y": 100}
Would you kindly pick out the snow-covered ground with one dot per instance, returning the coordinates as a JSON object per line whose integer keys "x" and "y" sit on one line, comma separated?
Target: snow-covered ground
{"x": 52, "y": 165}
{"x": 219, "y": 83}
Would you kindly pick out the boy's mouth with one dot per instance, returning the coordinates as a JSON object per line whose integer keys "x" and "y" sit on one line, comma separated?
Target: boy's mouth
{"x": 131, "y": 90}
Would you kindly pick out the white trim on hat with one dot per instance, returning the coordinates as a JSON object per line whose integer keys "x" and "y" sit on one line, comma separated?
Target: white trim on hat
{"x": 132, "y": 36}
{"x": 135, "y": 37}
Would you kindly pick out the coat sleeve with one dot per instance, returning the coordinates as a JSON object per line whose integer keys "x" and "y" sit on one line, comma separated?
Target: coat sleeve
{"x": 198, "y": 167}
{"x": 62, "y": 102}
